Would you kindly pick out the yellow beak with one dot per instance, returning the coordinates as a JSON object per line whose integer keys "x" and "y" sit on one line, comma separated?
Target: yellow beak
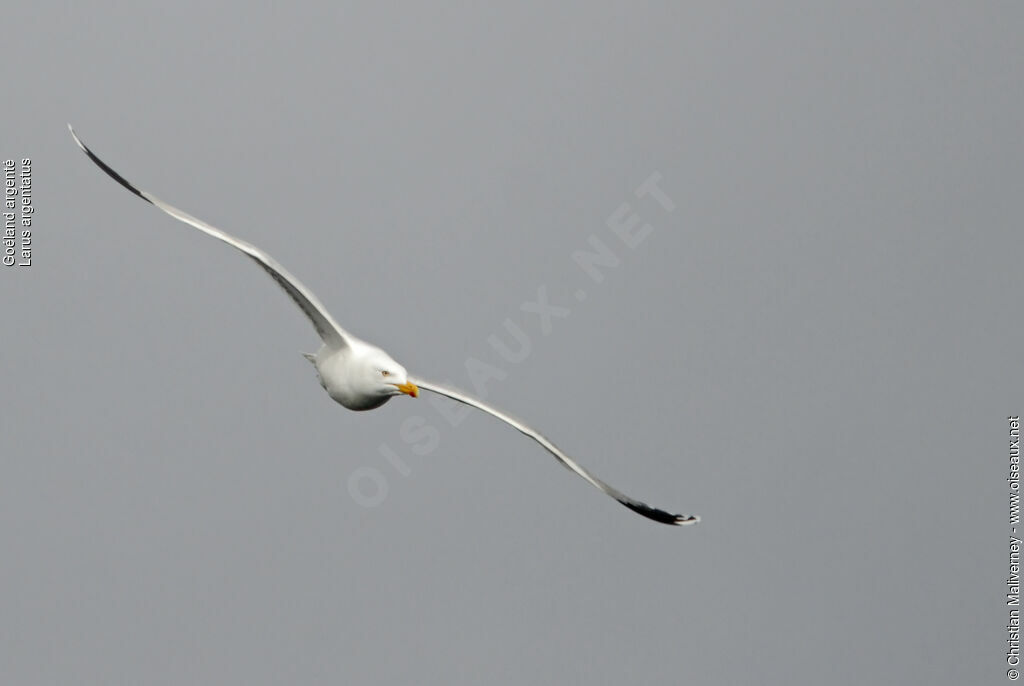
{"x": 408, "y": 389}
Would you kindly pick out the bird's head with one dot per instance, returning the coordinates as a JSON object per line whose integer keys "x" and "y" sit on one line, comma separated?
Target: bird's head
{"x": 389, "y": 377}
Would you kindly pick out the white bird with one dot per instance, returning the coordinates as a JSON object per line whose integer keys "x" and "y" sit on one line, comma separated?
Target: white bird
{"x": 361, "y": 376}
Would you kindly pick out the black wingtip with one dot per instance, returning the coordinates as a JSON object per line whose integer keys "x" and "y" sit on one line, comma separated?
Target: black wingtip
{"x": 103, "y": 165}
{"x": 660, "y": 515}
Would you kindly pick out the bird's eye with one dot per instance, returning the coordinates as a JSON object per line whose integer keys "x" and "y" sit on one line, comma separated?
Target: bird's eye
{"x": 385, "y": 372}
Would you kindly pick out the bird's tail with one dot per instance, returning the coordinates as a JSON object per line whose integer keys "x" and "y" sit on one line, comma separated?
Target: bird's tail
{"x": 311, "y": 357}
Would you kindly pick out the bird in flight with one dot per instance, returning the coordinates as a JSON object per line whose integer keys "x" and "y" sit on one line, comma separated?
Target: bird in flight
{"x": 361, "y": 376}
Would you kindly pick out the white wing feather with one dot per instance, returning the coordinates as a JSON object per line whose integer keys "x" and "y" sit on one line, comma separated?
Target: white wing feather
{"x": 331, "y": 334}
{"x": 570, "y": 464}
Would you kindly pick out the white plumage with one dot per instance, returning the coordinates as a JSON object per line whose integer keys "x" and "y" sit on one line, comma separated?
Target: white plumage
{"x": 361, "y": 376}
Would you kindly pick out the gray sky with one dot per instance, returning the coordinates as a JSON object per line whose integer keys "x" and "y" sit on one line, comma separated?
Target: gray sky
{"x": 816, "y": 350}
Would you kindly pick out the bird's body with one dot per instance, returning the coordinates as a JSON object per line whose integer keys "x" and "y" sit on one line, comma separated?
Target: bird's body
{"x": 347, "y": 374}
{"x": 361, "y": 376}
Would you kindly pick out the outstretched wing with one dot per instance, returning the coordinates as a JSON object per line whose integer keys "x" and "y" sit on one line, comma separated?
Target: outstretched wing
{"x": 332, "y": 334}
{"x": 635, "y": 505}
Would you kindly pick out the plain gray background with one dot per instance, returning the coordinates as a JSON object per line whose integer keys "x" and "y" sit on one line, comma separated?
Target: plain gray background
{"x": 816, "y": 351}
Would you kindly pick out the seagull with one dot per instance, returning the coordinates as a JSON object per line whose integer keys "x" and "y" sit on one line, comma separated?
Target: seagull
{"x": 361, "y": 376}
